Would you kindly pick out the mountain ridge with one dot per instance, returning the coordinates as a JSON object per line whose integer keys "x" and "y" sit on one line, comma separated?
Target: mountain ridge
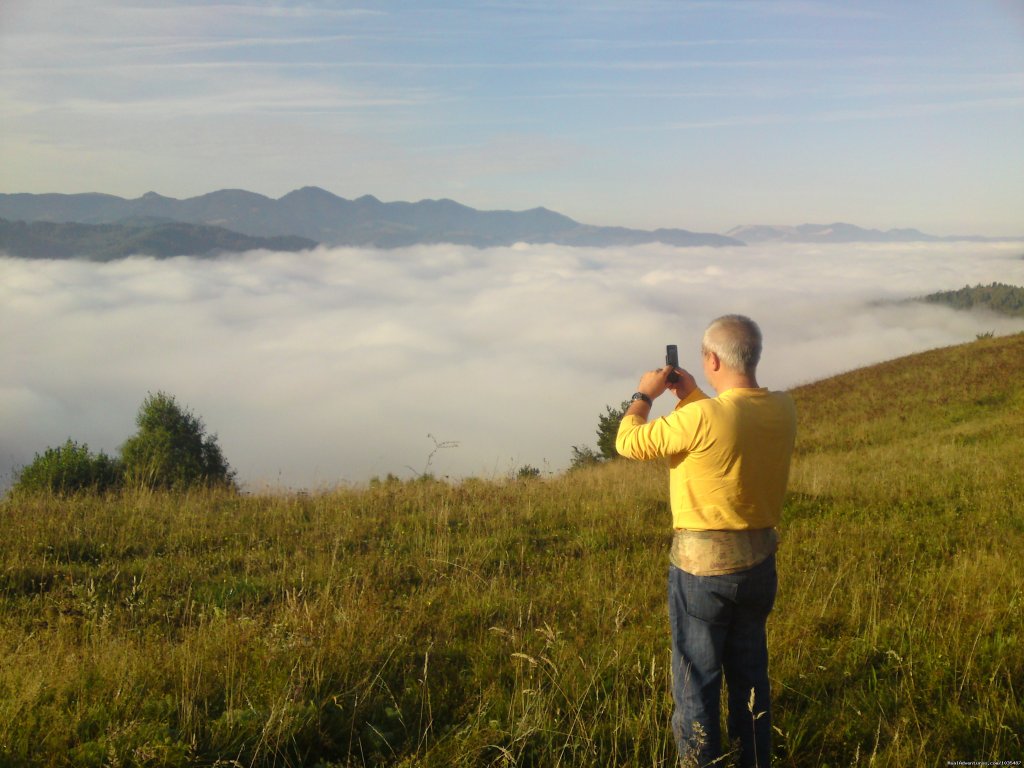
{"x": 318, "y": 216}
{"x": 321, "y": 216}
{"x": 842, "y": 232}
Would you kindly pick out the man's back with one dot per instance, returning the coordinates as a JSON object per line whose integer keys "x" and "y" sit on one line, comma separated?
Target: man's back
{"x": 729, "y": 457}
{"x": 734, "y": 474}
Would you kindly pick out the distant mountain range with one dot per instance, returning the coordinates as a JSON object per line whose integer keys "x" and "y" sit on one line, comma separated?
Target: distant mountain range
{"x": 325, "y": 218}
{"x": 100, "y": 226}
{"x": 842, "y": 233}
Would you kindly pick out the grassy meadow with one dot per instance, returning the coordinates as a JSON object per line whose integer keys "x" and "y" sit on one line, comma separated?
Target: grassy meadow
{"x": 522, "y": 622}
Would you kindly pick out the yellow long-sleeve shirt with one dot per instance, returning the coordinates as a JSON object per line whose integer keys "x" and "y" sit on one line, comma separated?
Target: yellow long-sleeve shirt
{"x": 728, "y": 457}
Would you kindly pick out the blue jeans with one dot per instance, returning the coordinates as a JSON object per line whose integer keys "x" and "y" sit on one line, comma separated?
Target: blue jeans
{"x": 718, "y": 624}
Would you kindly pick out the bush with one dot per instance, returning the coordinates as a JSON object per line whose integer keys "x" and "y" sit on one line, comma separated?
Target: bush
{"x": 171, "y": 450}
{"x": 71, "y": 468}
{"x": 584, "y": 456}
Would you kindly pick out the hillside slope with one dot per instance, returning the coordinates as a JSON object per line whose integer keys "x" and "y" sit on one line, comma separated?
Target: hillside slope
{"x": 523, "y": 622}
{"x": 898, "y": 632}
{"x": 939, "y": 395}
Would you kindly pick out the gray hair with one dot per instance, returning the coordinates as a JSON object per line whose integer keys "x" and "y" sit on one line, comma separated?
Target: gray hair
{"x": 736, "y": 340}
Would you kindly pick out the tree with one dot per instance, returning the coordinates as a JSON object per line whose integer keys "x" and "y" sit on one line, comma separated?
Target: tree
{"x": 607, "y": 430}
{"x": 171, "y": 449}
{"x": 71, "y": 468}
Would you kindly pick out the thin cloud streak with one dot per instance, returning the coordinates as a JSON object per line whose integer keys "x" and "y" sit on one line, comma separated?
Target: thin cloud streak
{"x": 334, "y": 365}
{"x": 854, "y": 115}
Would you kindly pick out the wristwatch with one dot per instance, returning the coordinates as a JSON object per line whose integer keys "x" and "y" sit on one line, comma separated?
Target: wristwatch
{"x": 640, "y": 396}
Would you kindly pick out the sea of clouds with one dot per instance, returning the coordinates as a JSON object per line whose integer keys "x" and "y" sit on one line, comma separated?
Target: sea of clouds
{"x": 336, "y": 365}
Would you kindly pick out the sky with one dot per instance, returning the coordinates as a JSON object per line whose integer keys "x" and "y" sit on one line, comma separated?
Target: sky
{"x": 337, "y": 365}
{"x": 647, "y": 113}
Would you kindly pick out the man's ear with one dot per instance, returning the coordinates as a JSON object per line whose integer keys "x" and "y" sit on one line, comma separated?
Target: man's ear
{"x": 714, "y": 361}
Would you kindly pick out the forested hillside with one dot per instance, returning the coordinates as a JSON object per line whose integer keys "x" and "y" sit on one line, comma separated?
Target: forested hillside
{"x": 999, "y": 297}
{"x": 105, "y": 242}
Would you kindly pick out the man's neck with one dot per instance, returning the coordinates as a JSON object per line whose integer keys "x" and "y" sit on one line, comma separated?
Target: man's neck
{"x": 735, "y": 381}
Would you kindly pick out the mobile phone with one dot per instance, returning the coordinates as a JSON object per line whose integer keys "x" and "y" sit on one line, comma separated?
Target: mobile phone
{"x": 672, "y": 358}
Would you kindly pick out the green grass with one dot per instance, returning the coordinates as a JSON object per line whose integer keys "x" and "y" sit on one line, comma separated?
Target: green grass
{"x": 523, "y": 622}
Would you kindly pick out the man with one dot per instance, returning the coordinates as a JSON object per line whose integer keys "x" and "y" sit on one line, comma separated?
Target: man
{"x": 729, "y": 462}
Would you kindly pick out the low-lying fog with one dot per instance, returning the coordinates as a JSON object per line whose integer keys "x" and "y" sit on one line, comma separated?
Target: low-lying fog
{"x": 334, "y": 366}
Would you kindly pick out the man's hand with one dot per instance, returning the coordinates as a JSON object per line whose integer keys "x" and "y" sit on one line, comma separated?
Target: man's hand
{"x": 654, "y": 383}
{"x": 682, "y": 387}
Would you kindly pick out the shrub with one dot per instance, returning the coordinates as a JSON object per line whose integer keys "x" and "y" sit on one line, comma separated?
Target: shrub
{"x": 171, "y": 449}
{"x": 584, "y": 456}
{"x": 68, "y": 469}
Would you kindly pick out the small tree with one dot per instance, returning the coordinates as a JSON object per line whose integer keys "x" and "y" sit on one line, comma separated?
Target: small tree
{"x": 171, "y": 449}
{"x": 71, "y": 468}
{"x": 607, "y": 430}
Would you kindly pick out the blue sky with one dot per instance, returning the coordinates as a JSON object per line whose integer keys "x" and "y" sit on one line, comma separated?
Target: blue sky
{"x": 700, "y": 115}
